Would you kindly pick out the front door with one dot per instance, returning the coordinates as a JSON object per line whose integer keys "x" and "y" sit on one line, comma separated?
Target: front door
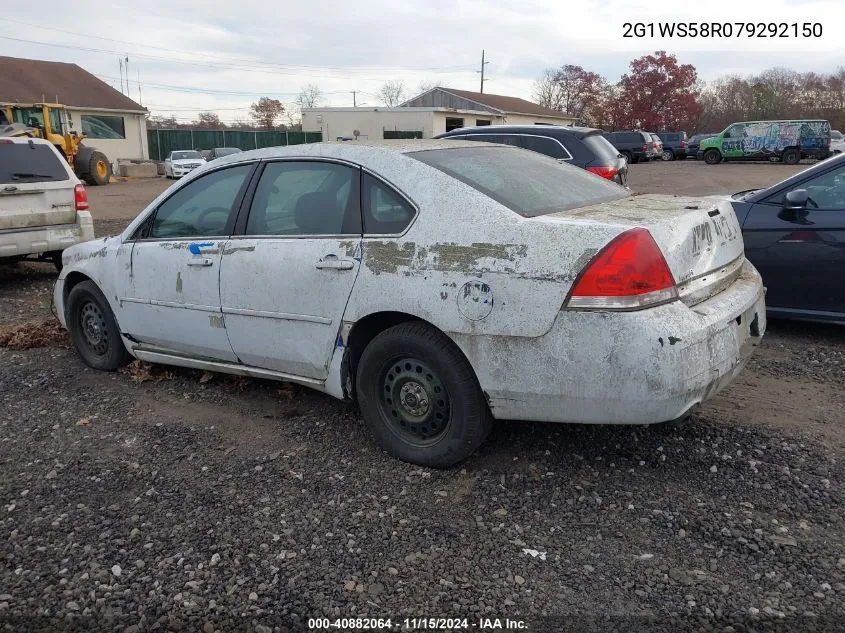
{"x": 801, "y": 254}
{"x": 286, "y": 279}
{"x": 172, "y": 298}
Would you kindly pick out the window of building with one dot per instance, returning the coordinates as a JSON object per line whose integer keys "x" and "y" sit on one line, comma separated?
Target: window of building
{"x": 482, "y": 122}
{"x": 453, "y": 123}
{"x": 101, "y": 126}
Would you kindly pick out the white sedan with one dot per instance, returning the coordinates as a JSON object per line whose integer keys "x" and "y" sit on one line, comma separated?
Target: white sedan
{"x": 440, "y": 284}
{"x": 181, "y": 163}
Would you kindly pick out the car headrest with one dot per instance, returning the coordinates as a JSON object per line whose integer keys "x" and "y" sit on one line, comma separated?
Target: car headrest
{"x": 318, "y": 213}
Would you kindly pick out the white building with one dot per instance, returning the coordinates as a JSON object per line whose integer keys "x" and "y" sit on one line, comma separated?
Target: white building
{"x": 433, "y": 112}
{"x": 114, "y": 123}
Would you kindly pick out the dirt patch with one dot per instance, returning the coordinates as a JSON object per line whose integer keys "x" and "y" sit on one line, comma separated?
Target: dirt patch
{"x": 29, "y": 335}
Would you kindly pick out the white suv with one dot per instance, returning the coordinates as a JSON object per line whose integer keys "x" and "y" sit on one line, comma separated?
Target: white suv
{"x": 837, "y": 142}
{"x": 43, "y": 205}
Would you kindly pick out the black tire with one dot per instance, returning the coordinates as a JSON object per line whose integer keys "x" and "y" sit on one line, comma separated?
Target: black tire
{"x": 627, "y": 155}
{"x": 668, "y": 155}
{"x": 712, "y": 157}
{"x": 635, "y": 159}
{"x": 93, "y": 328}
{"x": 420, "y": 364}
{"x": 791, "y": 156}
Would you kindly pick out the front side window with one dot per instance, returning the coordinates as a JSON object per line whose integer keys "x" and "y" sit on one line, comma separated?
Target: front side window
{"x": 306, "y": 198}
{"x": 385, "y": 211}
{"x": 826, "y": 191}
{"x": 55, "y": 120}
{"x": 204, "y": 207}
{"x": 31, "y": 117}
{"x": 102, "y": 126}
{"x": 528, "y": 183}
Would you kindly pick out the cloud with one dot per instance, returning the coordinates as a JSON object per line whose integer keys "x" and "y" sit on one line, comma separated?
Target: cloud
{"x": 190, "y": 55}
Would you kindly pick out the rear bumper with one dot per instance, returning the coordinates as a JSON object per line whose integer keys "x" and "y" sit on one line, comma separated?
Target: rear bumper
{"x": 640, "y": 367}
{"x": 44, "y": 239}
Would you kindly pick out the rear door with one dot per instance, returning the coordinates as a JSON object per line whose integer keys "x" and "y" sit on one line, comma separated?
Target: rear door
{"x": 801, "y": 255}
{"x": 287, "y": 274}
{"x": 36, "y": 186}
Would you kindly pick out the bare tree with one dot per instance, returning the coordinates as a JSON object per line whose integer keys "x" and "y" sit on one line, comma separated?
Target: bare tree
{"x": 427, "y": 85}
{"x": 392, "y": 93}
{"x": 309, "y": 96}
{"x": 209, "y": 120}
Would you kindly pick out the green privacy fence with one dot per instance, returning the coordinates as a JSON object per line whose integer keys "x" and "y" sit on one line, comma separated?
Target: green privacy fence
{"x": 162, "y": 142}
{"x": 394, "y": 134}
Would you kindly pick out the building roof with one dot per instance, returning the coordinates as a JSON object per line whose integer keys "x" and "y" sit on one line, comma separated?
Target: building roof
{"x": 496, "y": 103}
{"x": 38, "y": 81}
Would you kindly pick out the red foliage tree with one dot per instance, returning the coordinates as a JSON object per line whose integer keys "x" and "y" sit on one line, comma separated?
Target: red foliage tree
{"x": 660, "y": 94}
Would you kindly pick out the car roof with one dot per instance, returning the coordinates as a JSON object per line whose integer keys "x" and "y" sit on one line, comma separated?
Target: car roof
{"x": 354, "y": 150}
{"x": 540, "y": 130}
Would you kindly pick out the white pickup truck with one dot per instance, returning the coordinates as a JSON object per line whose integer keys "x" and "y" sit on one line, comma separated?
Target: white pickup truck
{"x": 43, "y": 205}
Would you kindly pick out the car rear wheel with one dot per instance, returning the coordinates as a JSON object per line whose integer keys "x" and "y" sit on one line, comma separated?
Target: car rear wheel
{"x": 712, "y": 157}
{"x": 668, "y": 154}
{"x": 791, "y": 156}
{"x": 420, "y": 398}
{"x": 93, "y": 328}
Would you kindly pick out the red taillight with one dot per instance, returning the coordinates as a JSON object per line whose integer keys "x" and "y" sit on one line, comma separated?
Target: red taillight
{"x": 603, "y": 171}
{"x": 6, "y": 141}
{"x": 80, "y": 197}
{"x": 645, "y": 149}
{"x": 628, "y": 274}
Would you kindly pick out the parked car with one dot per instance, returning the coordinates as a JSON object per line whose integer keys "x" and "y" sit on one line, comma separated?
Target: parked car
{"x": 217, "y": 152}
{"x": 182, "y": 162}
{"x": 633, "y": 145}
{"x": 787, "y": 141}
{"x": 584, "y": 147}
{"x": 693, "y": 142}
{"x": 674, "y": 145}
{"x": 837, "y": 142}
{"x": 794, "y": 234}
{"x": 43, "y": 205}
{"x": 439, "y": 283}
{"x": 656, "y": 146}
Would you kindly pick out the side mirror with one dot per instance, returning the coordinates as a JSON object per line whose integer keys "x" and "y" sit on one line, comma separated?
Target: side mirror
{"x": 796, "y": 200}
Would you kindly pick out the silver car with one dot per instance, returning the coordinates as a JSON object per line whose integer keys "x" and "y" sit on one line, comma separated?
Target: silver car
{"x": 440, "y": 284}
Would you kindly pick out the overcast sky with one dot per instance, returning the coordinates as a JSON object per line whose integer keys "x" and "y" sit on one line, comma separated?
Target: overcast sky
{"x": 220, "y": 55}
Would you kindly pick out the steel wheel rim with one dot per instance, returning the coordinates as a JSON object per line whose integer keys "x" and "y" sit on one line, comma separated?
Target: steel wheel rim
{"x": 102, "y": 170}
{"x": 667, "y": 155}
{"x": 94, "y": 329}
{"x": 414, "y": 401}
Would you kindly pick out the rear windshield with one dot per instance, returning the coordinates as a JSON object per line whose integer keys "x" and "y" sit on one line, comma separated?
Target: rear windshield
{"x": 186, "y": 154}
{"x": 528, "y": 183}
{"x": 601, "y": 147}
{"x": 22, "y": 162}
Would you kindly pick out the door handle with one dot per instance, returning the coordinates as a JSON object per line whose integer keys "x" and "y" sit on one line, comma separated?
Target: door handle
{"x": 203, "y": 261}
{"x": 336, "y": 264}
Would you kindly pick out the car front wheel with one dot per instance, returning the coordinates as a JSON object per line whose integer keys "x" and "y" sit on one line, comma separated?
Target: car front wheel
{"x": 93, "y": 328}
{"x": 420, "y": 398}
{"x": 712, "y": 157}
{"x": 668, "y": 154}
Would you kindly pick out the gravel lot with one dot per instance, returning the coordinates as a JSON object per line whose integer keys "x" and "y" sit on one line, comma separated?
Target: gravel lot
{"x": 168, "y": 500}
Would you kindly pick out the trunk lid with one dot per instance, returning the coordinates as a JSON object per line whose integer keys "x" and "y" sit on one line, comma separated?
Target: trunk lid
{"x": 32, "y": 204}
{"x": 700, "y": 237}
{"x": 36, "y": 187}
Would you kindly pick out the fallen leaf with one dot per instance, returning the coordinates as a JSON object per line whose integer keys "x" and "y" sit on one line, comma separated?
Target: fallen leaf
{"x": 287, "y": 390}
{"x": 206, "y": 377}
{"x": 82, "y": 421}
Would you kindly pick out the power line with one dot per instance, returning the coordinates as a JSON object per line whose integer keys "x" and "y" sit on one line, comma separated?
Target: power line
{"x": 262, "y": 66}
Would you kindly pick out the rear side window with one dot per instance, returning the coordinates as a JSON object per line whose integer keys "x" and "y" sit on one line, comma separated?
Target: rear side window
{"x": 544, "y": 145}
{"x": 22, "y": 162}
{"x": 385, "y": 211}
{"x": 528, "y": 183}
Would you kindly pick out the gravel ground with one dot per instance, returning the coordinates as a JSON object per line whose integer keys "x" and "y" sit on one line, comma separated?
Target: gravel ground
{"x": 171, "y": 500}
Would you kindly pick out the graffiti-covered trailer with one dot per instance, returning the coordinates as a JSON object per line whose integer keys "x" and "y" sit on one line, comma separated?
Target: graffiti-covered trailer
{"x": 787, "y": 141}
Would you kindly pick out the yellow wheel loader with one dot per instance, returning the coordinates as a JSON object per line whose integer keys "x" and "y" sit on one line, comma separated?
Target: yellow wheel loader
{"x": 50, "y": 121}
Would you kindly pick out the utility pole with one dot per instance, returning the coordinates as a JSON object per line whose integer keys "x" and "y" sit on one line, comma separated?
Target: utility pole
{"x": 354, "y": 100}
{"x": 483, "y": 64}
